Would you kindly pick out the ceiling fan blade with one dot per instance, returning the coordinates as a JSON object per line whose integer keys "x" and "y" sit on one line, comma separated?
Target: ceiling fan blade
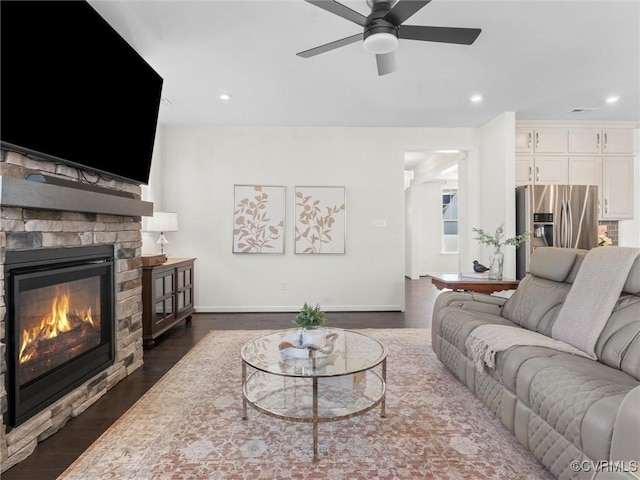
{"x": 386, "y": 63}
{"x": 403, "y": 10}
{"x": 331, "y": 46}
{"x": 462, "y": 36}
{"x": 340, "y": 10}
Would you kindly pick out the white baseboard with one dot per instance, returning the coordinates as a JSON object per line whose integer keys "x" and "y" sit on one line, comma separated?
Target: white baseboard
{"x": 288, "y": 308}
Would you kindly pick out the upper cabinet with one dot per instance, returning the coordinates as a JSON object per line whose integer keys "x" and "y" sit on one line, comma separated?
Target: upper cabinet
{"x": 542, "y": 170}
{"x": 586, "y": 153}
{"x": 602, "y": 141}
{"x": 541, "y": 140}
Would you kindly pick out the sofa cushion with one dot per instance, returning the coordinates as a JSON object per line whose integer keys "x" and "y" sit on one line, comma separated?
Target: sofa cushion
{"x": 535, "y": 303}
{"x": 619, "y": 343}
{"x": 508, "y": 363}
{"x": 552, "y": 263}
{"x": 577, "y": 397}
{"x": 580, "y": 254}
{"x": 633, "y": 281}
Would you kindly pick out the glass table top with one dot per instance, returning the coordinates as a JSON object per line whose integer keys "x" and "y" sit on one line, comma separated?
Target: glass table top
{"x": 352, "y": 352}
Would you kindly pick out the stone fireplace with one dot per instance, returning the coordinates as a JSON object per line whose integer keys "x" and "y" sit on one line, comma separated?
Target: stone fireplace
{"x": 71, "y": 303}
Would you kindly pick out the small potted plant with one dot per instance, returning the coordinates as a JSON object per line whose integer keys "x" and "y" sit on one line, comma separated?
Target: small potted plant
{"x": 309, "y": 319}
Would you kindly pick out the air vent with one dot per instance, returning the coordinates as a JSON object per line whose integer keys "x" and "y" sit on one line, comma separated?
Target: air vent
{"x": 583, "y": 110}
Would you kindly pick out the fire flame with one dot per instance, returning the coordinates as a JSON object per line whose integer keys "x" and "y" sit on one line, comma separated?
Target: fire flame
{"x": 51, "y": 326}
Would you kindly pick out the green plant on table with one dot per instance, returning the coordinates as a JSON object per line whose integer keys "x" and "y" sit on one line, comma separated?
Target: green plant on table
{"x": 310, "y": 317}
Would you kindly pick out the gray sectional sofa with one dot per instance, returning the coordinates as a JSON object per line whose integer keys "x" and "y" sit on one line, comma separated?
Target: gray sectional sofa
{"x": 579, "y": 416}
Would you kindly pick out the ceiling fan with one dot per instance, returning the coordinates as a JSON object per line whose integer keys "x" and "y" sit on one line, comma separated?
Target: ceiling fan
{"x": 383, "y": 27}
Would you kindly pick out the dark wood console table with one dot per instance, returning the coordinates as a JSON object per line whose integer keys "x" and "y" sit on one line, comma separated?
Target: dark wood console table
{"x": 167, "y": 297}
{"x": 455, "y": 281}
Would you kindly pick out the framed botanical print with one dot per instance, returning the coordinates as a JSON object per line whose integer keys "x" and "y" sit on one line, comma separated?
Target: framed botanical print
{"x": 258, "y": 219}
{"x": 320, "y": 220}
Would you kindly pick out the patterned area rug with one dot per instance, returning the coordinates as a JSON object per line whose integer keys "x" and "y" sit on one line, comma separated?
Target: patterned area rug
{"x": 189, "y": 426}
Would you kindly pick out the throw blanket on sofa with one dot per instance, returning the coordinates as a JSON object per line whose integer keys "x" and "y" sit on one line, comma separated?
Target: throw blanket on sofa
{"x": 486, "y": 340}
{"x": 593, "y": 296}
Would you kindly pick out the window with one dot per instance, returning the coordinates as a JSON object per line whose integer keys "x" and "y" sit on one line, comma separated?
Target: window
{"x": 450, "y": 220}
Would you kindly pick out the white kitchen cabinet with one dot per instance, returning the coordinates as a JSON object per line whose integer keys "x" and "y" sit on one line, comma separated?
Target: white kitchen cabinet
{"x": 585, "y": 170}
{"x": 580, "y": 153}
{"x": 614, "y": 178}
{"x": 542, "y": 170}
{"x": 524, "y": 170}
{"x": 524, "y": 140}
{"x": 604, "y": 141}
{"x": 541, "y": 140}
{"x": 617, "y": 188}
{"x": 550, "y": 170}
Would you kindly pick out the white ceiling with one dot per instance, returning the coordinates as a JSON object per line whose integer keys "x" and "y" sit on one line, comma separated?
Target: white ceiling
{"x": 540, "y": 59}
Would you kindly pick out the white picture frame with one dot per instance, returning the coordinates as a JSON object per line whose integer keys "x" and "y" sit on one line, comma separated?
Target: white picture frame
{"x": 320, "y": 220}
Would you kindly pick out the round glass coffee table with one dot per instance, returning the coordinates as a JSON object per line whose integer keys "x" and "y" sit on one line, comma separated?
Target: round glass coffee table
{"x": 314, "y": 387}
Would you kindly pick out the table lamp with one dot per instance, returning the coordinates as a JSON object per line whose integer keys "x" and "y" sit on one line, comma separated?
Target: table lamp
{"x": 162, "y": 222}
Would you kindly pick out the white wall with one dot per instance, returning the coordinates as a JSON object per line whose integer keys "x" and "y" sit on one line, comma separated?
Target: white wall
{"x": 412, "y": 237}
{"x": 199, "y": 168}
{"x": 491, "y": 181}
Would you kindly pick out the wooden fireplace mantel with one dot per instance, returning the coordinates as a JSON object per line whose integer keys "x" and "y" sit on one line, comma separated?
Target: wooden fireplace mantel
{"x": 15, "y": 192}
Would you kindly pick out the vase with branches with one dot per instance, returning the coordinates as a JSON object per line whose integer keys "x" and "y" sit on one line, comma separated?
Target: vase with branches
{"x": 497, "y": 241}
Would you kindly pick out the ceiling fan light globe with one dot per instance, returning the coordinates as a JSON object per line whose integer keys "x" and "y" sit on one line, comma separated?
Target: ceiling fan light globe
{"x": 380, "y": 43}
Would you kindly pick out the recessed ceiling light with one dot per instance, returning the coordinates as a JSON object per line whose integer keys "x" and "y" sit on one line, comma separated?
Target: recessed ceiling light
{"x": 225, "y": 96}
{"x": 612, "y": 99}
{"x": 476, "y": 98}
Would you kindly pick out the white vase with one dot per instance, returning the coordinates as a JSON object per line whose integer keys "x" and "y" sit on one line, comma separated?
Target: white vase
{"x": 314, "y": 336}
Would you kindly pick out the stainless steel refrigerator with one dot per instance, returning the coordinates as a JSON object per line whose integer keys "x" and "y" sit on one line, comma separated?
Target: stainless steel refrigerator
{"x": 557, "y": 216}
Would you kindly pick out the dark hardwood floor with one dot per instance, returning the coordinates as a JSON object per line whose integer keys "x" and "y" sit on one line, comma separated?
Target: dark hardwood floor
{"x": 52, "y": 456}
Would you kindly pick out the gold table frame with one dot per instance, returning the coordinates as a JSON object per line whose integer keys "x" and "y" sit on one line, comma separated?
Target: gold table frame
{"x": 355, "y": 354}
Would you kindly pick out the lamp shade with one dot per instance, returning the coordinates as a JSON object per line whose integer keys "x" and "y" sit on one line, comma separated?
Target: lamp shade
{"x": 162, "y": 222}
{"x": 380, "y": 43}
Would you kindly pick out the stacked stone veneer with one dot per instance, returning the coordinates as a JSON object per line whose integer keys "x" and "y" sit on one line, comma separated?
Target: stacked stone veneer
{"x": 30, "y": 229}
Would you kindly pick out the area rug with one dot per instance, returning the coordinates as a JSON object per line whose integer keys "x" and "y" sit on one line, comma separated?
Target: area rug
{"x": 189, "y": 426}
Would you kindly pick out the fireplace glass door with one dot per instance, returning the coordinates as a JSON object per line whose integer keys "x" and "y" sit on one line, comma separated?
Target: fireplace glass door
{"x": 57, "y": 323}
{"x": 60, "y": 326}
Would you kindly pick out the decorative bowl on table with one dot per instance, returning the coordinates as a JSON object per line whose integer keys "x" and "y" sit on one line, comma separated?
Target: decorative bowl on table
{"x": 301, "y": 345}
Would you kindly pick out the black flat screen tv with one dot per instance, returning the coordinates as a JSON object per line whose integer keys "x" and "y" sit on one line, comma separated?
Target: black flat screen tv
{"x": 74, "y": 91}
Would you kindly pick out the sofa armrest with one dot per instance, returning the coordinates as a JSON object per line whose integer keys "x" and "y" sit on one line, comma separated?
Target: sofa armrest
{"x": 478, "y": 302}
{"x": 625, "y": 444}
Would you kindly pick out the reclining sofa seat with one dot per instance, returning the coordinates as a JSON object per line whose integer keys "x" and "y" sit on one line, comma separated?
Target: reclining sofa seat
{"x": 562, "y": 407}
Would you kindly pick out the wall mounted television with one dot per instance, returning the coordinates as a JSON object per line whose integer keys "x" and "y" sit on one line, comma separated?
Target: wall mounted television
{"x": 74, "y": 91}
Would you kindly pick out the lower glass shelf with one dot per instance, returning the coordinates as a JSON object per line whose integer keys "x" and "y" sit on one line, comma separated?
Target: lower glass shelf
{"x": 291, "y": 398}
